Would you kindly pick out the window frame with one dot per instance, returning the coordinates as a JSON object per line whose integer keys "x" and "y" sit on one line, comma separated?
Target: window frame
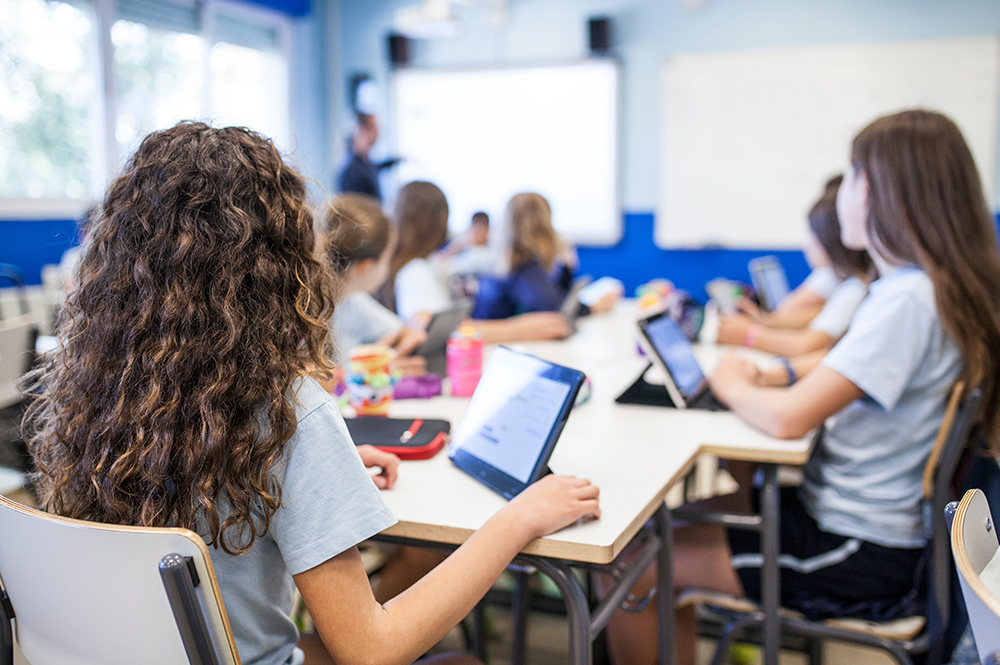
{"x": 107, "y": 154}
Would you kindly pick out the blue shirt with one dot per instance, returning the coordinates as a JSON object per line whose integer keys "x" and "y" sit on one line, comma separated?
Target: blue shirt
{"x": 864, "y": 479}
{"x": 329, "y": 504}
{"x": 527, "y": 289}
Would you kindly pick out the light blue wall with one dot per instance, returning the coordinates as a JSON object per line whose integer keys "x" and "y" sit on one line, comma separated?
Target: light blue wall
{"x": 644, "y": 33}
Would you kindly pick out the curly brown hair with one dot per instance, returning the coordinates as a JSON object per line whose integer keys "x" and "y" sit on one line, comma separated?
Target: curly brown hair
{"x": 200, "y": 302}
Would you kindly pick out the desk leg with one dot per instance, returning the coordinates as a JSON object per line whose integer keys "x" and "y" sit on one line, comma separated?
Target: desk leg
{"x": 577, "y": 608}
{"x": 665, "y": 586}
{"x": 769, "y": 572}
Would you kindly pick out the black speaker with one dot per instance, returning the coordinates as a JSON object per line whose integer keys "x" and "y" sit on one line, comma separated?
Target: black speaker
{"x": 600, "y": 35}
{"x": 399, "y": 50}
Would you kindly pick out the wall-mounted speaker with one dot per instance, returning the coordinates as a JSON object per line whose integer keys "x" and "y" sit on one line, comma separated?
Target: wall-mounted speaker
{"x": 399, "y": 50}
{"x": 600, "y": 35}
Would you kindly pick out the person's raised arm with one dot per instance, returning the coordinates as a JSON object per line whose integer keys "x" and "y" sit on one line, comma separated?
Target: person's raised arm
{"x": 356, "y": 629}
{"x": 786, "y": 413}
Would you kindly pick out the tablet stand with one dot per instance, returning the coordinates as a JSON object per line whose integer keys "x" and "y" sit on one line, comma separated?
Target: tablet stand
{"x": 646, "y": 394}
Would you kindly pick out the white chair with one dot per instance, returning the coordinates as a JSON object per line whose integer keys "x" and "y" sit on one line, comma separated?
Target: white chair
{"x": 82, "y": 593}
{"x": 17, "y": 343}
{"x": 974, "y": 547}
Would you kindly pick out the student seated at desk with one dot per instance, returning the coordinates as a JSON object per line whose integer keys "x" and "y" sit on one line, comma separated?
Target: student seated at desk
{"x": 537, "y": 267}
{"x": 416, "y": 287}
{"x": 853, "y": 268}
{"x": 852, "y": 535}
{"x": 806, "y": 301}
{"x": 180, "y": 396}
{"x": 358, "y": 244}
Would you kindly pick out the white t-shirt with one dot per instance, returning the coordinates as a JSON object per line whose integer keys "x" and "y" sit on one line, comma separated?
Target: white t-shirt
{"x": 328, "y": 505}
{"x": 474, "y": 260}
{"x": 420, "y": 287}
{"x": 840, "y": 307}
{"x": 864, "y": 478}
{"x": 360, "y": 319}
{"x": 822, "y": 281}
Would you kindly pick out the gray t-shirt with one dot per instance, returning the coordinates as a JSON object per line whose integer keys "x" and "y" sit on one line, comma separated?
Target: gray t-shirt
{"x": 864, "y": 479}
{"x": 836, "y": 315}
{"x": 360, "y": 319}
{"x": 329, "y": 504}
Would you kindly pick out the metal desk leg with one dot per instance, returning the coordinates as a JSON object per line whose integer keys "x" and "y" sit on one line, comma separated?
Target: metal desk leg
{"x": 665, "y": 586}
{"x": 770, "y": 580}
{"x": 519, "y": 611}
{"x": 577, "y": 610}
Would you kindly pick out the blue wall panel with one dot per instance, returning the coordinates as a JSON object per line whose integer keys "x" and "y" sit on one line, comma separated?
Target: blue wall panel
{"x": 636, "y": 260}
{"x": 31, "y": 244}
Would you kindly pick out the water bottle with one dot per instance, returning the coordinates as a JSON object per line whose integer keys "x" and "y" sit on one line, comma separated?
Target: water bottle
{"x": 465, "y": 361}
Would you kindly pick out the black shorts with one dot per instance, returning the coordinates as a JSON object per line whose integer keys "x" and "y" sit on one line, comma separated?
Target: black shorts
{"x": 824, "y": 574}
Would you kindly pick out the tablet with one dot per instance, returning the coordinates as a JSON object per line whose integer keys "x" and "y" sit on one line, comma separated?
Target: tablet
{"x": 442, "y": 325}
{"x": 570, "y": 307}
{"x": 769, "y": 281}
{"x": 513, "y": 420}
{"x": 669, "y": 349}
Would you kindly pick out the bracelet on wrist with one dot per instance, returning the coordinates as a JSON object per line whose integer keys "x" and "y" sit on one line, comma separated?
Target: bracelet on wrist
{"x": 750, "y": 335}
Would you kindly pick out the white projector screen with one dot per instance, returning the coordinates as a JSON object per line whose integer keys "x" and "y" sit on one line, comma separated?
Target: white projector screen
{"x": 749, "y": 138}
{"x": 484, "y": 135}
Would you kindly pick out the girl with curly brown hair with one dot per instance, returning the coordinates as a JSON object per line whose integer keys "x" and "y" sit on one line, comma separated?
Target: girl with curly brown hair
{"x": 180, "y": 396}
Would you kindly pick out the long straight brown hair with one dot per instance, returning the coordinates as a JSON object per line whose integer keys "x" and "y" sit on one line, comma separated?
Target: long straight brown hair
{"x": 200, "y": 301}
{"x": 926, "y": 207}
{"x": 422, "y": 224}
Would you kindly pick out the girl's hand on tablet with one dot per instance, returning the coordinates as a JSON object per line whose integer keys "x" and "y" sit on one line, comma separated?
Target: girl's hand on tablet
{"x": 554, "y": 502}
{"x": 387, "y": 463}
{"x": 732, "y": 371}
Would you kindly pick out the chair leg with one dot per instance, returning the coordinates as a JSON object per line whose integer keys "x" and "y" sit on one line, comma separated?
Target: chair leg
{"x": 721, "y": 655}
{"x": 815, "y": 651}
{"x": 519, "y": 611}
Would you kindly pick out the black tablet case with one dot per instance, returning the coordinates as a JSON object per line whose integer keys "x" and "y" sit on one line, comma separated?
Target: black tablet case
{"x": 384, "y": 433}
{"x": 643, "y": 393}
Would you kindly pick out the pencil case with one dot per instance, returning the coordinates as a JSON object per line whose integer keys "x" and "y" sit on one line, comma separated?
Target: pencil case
{"x": 389, "y": 434}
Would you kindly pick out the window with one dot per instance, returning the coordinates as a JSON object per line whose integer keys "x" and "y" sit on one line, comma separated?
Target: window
{"x": 221, "y": 62}
{"x": 48, "y": 94}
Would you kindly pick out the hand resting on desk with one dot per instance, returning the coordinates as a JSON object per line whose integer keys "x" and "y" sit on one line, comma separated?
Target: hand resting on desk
{"x": 387, "y": 463}
{"x": 785, "y": 413}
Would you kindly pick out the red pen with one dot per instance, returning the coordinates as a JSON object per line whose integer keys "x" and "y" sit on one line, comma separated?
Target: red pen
{"x": 408, "y": 434}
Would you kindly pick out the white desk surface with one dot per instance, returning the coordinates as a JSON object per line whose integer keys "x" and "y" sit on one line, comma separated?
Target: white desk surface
{"x": 633, "y": 453}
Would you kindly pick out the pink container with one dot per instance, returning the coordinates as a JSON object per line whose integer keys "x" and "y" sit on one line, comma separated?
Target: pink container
{"x": 465, "y": 361}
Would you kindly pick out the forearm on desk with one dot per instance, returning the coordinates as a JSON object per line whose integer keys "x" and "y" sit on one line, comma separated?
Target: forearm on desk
{"x": 356, "y": 629}
{"x": 789, "y": 413}
{"x": 788, "y": 342}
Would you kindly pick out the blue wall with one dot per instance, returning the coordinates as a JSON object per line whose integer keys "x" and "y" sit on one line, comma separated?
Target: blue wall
{"x": 31, "y": 244}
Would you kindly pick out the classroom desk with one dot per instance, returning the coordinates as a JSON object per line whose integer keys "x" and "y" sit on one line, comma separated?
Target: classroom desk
{"x": 633, "y": 453}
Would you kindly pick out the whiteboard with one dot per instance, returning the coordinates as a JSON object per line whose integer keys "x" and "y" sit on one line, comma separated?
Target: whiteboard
{"x": 748, "y": 138}
{"x": 484, "y": 135}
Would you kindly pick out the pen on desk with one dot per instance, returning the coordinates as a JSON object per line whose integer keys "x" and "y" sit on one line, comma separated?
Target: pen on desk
{"x": 408, "y": 434}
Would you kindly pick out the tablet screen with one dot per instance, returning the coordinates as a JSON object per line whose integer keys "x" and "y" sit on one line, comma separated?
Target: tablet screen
{"x": 676, "y": 353}
{"x": 769, "y": 277}
{"x": 518, "y": 408}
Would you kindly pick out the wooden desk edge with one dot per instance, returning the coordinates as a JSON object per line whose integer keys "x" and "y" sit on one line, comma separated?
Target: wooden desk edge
{"x": 546, "y": 547}
{"x": 792, "y": 457}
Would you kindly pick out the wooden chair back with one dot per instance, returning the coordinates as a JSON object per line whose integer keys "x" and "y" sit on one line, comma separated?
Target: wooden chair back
{"x": 975, "y": 549}
{"x": 83, "y": 593}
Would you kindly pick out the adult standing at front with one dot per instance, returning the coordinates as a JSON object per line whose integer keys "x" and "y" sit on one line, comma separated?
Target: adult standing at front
{"x": 359, "y": 174}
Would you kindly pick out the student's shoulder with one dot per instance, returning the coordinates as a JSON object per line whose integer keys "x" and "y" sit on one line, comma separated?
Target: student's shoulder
{"x": 907, "y": 288}
{"x": 311, "y": 401}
